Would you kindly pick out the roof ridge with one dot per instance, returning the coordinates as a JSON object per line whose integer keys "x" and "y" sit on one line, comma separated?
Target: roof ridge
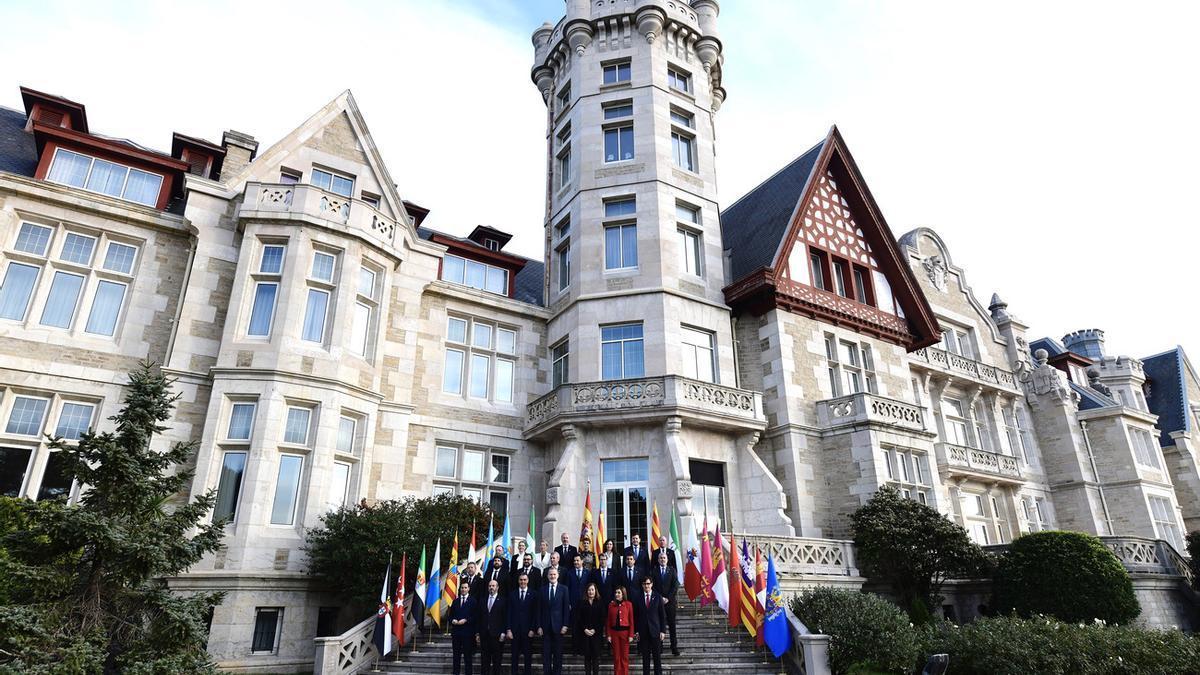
{"x": 772, "y": 177}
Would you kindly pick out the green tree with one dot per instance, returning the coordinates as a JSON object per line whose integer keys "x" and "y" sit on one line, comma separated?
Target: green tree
{"x": 83, "y": 588}
{"x": 914, "y": 549}
{"x": 349, "y": 552}
{"x": 1068, "y": 575}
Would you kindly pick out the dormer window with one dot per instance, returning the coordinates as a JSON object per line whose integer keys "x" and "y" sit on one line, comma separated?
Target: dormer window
{"x": 289, "y": 177}
{"x": 109, "y": 178}
{"x": 491, "y": 244}
{"x": 335, "y": 183}
{"x": 475, "y": 274}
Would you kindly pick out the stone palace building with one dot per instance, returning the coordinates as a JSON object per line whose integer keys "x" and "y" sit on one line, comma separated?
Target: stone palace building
{"x": 768, "y": 362}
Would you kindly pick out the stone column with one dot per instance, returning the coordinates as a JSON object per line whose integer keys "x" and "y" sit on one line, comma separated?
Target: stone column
{"x": 677, "y": 451}
{"x": 560, "y": 479}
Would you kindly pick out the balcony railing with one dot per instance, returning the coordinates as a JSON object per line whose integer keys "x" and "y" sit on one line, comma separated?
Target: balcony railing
{"x": 796, "y": 556}
{"x": 1139, "y": 554}
{"x": 309, "y": 200}
{"x": 646, "y": 394}
{"x": 981, "y": 461}
{"x": 863, "y": 407}
{"x": 956, "y": 364}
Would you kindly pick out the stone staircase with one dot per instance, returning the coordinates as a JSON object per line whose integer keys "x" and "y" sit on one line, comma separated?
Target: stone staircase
{"x": 705, "y": 642}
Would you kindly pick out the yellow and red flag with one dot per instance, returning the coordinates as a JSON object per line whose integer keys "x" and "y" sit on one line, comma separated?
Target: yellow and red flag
{"x": 601, "y": 534}
{"x": 585, "y": 529}
{"x": 450, "y": 586}
{"x": 655, "y": 534}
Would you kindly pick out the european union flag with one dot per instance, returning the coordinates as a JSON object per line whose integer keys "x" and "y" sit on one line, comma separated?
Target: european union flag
{"x": 777, "y": 633}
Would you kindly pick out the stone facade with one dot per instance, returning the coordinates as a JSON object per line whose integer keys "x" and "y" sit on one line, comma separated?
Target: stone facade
{"x": 315, "y": 330}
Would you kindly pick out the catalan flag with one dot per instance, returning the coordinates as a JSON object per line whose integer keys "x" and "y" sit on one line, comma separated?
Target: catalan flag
{"x": 655, "y": 532}
{"x": 601, "y": 534}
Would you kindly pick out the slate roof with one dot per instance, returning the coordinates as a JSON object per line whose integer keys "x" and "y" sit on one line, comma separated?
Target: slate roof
{"x": 753, "y": 226}
{"x": 1052, "y": 346}
{"x": 527, "y": 284}
{"x": 1090, "y": 398}
{"x": 1168, "y": 392}
{"x": 18, "y": 153}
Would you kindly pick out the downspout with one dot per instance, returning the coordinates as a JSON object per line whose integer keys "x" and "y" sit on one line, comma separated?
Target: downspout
{"x": 1087, "y": 443}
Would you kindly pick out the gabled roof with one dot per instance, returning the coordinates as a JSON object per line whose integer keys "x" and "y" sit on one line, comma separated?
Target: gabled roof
{"x": 1168, "y": 392}
{"x": 18, "y": 152}
{"x": 528, "y": 282}
{"x": 1052, "y": 346}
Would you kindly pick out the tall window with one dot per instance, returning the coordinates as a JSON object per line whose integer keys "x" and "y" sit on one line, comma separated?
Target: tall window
{"x": 699, "y": 354}
{"x": 677, "y": 79}
{"x": 81, "y": 282}
{"x": 109, "y": 178}
{"x": 622, "y": 351}
{"x": 287, "y": 489}
{"x": 955, "y": 418}
{"x": 267, "y": 624}
{"x": 618, "y": 143}
{"x": 1165, "y": 524}
{"x": 229, "y": 486}
{"x": 818, "y": 268}
{"x": 620, "y": 237}
{"x": 982, "y": 436}
{"x": 321, "y": 288}
{"x": 480, "y": 359}
{"x": 617, "y": 72}
{"x": 975, "y": 518}
{"x": 564, "y": 97}
{"x": 482, "y": 474}
{"x": 475, "y": 274}
{"x": 1144, "y": 448}
{"x": 564, "y": 156}
{"x": 683, "y": 150}
{"x": 563, "y": 259}
{"x": 1036, "y": 513}
{"x": 691, "y": 240}
{"x": 27, "y": 420}
{"x": 266, "y": 289}
{"x": 909, "y": 472}
{"x": 366, "y": 308}
{"x": 560, "y": 355}
{"x": 850, "y": 366}
{"x": 957, "y": 341}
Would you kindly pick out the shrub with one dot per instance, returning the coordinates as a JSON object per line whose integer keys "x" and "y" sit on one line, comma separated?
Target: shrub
{"x": 1193, "y": 549}
{"x": 867, "y": 631}
{"x": 1068, "y": 575}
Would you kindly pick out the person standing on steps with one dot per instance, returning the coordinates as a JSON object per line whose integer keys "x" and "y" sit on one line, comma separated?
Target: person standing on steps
{"x": 650, "y": 626}
{"x": 463, "y": 615}
{"x": 555, "y": 616}
{"x": 542, "y": 559}
{"x": 630, "y": 576}
{"x": 499, "y": 574}
{"x": 603, "y": 577}
{"x": 530, "y": 570}
{"x": 566, "y": 552}
{"x": 620, "y": 630}
{"x": 590, "y": 616}
{"x": 518, "y": 560}
{"x": 640, "y": 557}
{"x": 493, "y": 628}
{"x": 666, "y": 584}
{"x": 586, "y": 552}
{"x": 522, "y": 623}
{"x": 672, "y": 559}
{"x": 614, "y": 556}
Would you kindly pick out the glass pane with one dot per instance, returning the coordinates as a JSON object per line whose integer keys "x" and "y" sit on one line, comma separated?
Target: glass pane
{"x": 263, "y": 309}
{"x": 143, "y": 187}
{"x": 506, "y": 341}
{"x": 452, "y": 373}
{"x": 74, "y": 419}
{"x": 120, "y": 258}
{"x": 610, "y": 359}
{"x": 480, "y": 365}
{"x": 623, "y": 207}
{"x": 296, "y": 429}
{"x": 287, "y": 488}
{"x": 265, "y": 628}
{"x": 476, "y": 272}
{"x": 105, "y": 308}
{"x": 639, "y": 508}
{"x": 629, "y": 256}
{"x": 366, "y": 282}
{"x": 473, "y": 493}
{"x": 610, "y": 145}
{"x": 62, "y": 300}
{"x": 322, "y": 179}
{"x": 339, "y": 482}
{"x": 345, "y": 439}
{"x": 322, "y": 266}
{"x": 453, "y": 269}
{"x": 27, "y": 416}
{"x": 78, "y": 249}
{"x": 69, "y": 167}
{"x": 497, "y": 280}
{"x": 361, "y": 329}
{"x": 14, "y": 462}
{"x": 626, "y": 143}
{"x": 314, "y": 316}
{"x": 472, "y": 465}
{"x": 612, "y": 248}
{"x": 456, "y": 330}
{"x": 107, "y": 178}
{"x": 447, "y": 460}
{"x": 229, "y": 485}
{"x": 272, "y": 260}
{"x": 503, "y": 390}
{"x": 56, "y": 481}
{"x": 343, "y": 186}
{"x": 481, "y": 336}
{"x": 241, "y": 421}
{"x": 499, "y": 503}
{"x": 500, "y": 467}
{"x": 634, "y": 365}
{"x": 33, "y": 239}
{"x": 16, "y": 290}
{"x": 614, "y": 511}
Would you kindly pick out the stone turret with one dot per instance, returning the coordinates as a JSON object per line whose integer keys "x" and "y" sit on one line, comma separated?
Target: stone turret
{"x": 1088, "y": 342}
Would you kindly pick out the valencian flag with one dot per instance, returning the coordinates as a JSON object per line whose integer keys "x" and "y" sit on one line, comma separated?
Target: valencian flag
{"x": 398, "y": 604}
{"x": 706, "y": 569}
{"x": 531, "y": 533}
{"x": 433, "y": 594}
{"x": 585, "y": 529}
{"x": 383, "y": 618}
{"x": 760, "y": 592}
{"x": 734, "y": 578}
{"x": 778, "y": 634}
{"x": 418, "y": 601}
{"x": 450, "y": 587}
{"x": 717, "y": 578}
{"x": 655, "y": 533}
{"x": 751, "y": 611}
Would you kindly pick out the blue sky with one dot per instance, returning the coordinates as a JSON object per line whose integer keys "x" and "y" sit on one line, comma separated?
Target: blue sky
{"x": 1052, "y": 144}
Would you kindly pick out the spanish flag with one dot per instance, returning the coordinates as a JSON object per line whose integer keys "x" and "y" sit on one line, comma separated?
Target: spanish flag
{"x": 585, "y": 530}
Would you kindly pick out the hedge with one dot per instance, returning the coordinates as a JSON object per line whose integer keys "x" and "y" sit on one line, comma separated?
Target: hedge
{"x": 868, "y": 632}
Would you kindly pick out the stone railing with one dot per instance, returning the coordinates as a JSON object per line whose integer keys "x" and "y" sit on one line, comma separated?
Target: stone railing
{"x": 981, "y": 461}
{"x": 1139, "y": 554}
{"x": 863, "y": 407}
{"x": 310, "y": 200}
{"x": 348, "y": 653}
{"x": 804, "y": 555}
{"x": 645, "y": 395}
{"x": 942, "y": 360}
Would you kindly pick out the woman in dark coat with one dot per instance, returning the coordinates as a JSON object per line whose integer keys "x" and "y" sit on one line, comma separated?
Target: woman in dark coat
{"x": 590, "y": 616}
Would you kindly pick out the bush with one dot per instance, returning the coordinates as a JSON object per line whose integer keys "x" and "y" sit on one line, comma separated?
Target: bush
{"x": 1193, "y": 549}
{"x": 867, "y": 631}
{"x": 1015, "y": 646}
{"x": 1068, "y": 575}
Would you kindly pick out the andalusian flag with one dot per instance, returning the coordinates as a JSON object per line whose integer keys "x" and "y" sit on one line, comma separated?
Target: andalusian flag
{"x": 383, "y": 617}
{"x": 706, "y": 569}
{"x": 418, "y": 603}
{"x": 398, "y": 604}
{"x": 531, "y": 533}
{"x": 585, "y": 529}
{"x": 450, "y": 588}
{"x": 679, "y": 552}
{"x": 433, "y": 594}
{"x": 655, "y": 531}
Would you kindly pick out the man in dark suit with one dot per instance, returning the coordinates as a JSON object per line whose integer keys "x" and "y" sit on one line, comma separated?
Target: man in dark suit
{"x": 566, "y": 552}
{"x": 493, "y": 627}
{"x": 554, "y": 608}
{"x": 472, "y": 578}
{"x": 522, "y": 622}
{"x": 604, "y": 578}
{"x": 463, "y": 616}
{"x": 649, "y": 625}
{"x": 630, "y": 576}
{"x": 577, "y": 580}
{"x": 666, "y": 584}
{"x": 499, "y": 573}
{"x": 530, "y": 570}
{"x": 640, "y": 556}
{"x": 555, "y": 564}
{"x": 672, "y": 559}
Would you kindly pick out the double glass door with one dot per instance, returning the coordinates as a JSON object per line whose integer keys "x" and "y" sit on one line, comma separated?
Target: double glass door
{"x": 626, "y": 500}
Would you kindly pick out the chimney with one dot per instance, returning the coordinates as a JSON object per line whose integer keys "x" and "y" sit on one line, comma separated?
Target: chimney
{"x": 239, "y": 151}
{"x": 1088, "y": 342}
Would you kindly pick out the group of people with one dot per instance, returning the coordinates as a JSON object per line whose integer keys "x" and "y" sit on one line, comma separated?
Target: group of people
{"x": 601, "y": 600}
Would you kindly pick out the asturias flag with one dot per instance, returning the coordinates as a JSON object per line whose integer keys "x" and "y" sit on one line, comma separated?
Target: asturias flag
{"x": 777, "y": 632}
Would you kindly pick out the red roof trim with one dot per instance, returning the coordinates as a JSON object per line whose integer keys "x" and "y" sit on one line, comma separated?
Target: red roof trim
{"x": 72, "y": 137}
{"x": 76, "y": 111}
{"x": 474, "y": 251}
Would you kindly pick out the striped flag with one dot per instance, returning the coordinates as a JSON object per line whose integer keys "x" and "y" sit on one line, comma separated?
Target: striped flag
{"x": 418, "y": 603}
{"x": 678, "y": 545}
{"x": 531, "y": 533}
{"x": 655, "y": 529}
{"x": 734, "y": 579}
{"x": 450, "y": 587}
{"x": 433, "y": 594}
{"x": 382, "y": 637}
{"x": 750, "y": 609}
{"x": 718, "y": 579}
{"x": 760, "y": 592}
{"x": 601, "y": 533}
{"x": 398, "y": 604}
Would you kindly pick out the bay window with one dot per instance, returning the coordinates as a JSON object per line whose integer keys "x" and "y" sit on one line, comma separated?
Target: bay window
{"x": 266, "y": 289}
{"x": 105, "y": 177}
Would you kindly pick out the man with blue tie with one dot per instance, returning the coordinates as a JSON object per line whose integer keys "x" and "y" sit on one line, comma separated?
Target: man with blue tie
{"x": 630, "y": 576}
{"x": 666, "y": 584}
{"x": 640, "y": 557}
{"x": 555, "y": 615}
{"x": 522, "y": 623}
{"x": 463, "y": 614}
{"x": 577, "y": 580}
{"x": 603, "y": 578}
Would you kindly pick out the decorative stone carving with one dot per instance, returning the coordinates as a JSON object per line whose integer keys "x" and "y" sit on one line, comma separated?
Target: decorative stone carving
{"x": 1095, "y": 383}
{"x": 935, "y": 269}
{"x": 683, "y": 489}
{"x": 552, "y": 496}
{"x": 1046, "y": 380}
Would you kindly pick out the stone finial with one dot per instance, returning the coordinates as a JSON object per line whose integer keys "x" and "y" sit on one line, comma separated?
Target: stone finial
{"x": 999, "y": 309}
{"x": 1040, "y": 357}
{"x": 1093, "y": 374}
{"x": 579, "y": 36}
{"x": 650, "y": 22}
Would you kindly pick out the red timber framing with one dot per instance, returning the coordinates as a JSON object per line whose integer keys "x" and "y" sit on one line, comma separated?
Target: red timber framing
{"x": 839, "y": 237}
{"x": 465, "y": 248}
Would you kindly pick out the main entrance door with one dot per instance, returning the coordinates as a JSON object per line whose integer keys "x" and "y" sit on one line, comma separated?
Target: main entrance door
{"x": 626, "y": 500}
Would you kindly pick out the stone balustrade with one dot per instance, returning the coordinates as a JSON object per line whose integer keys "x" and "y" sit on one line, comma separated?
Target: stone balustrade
{"x": 348, "y": 653}
{"x": 981, "y": 461}
{"x": 797, "y": 556}
{"x": 958, "y": 365}
{"x": 308, "y": 200}
{"x": 669, "y": 393}
{"x": 865, "y": 408}
{"x": 1139, "y": 554}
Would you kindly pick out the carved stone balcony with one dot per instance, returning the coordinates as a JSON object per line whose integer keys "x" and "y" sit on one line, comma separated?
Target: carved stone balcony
{"x": 864, "y": 408}
{"x": 942, "y": 361}
{"x": 802, "y": 556}
{"x": 646, "y": 397}
{"x": 975, "y": 462}
{"x": 303, "y": 202}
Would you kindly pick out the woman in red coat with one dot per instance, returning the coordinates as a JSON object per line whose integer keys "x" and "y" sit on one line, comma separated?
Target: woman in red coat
{"x": 620, "y": 630}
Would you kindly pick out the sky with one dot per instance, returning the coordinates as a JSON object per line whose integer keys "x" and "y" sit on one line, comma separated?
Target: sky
{"x": 1051, "y": 144}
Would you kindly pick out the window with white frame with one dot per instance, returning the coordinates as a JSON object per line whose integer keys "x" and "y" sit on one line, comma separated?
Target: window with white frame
{"x": 850, "y": 366}
{"x": 999, "y": 515}
{"x": 1036, "y": 513}
{"x": 1165, "y": 525}
{"x": 975, "y": 518}
{"x": 699, "y": 354}
{"x": 616, "y": 72}
{"x": 909, "y": 472}
{"x": 683, "y": 150}
{"x": 560, "y": 357}
{"x": 562, "y": 255}
{"x": 99, "y": 175}
{"x": 86, "y": 276}
{"x": 366, "y": 312}
{"x": 564, "y": 156}
{"x": 475, "y": 274}
{"x": 691, "y": 240}
{"x": 298, "y": 424}
{"x": 1028, "y": 449}
{"x": 1145, "y": 450}
{"x": 480, "y": 359}
{"x": 29, "y": 467}
{"x": 979, "y": 416}
{"x": 683, "y": 118}
{"x": 268, "y": 623}
{"x": 958, "y": 341}
{"x": 266, "y": 278}
{"x": 954, "y": 417}
{"x": 620, "y": 234}
{"x": 622, "y": 351}
{"x": 287, "y": 489}
{"x": 482, "y": 474}
{"x": 321, "y": 289}
{"x": 241, "y": 421}
{"x": 339, "y": 184}
{"x": 618, "y": 143}
{"x": 618, "y": 109}
{"x": 679, "y": 80}
{"x": 234, "y": 449}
